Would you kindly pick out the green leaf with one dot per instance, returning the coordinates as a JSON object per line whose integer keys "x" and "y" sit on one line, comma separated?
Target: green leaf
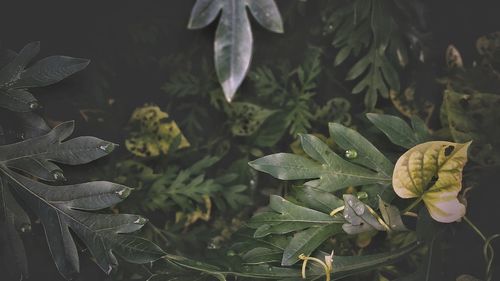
{"x": 61, "y": 208}
{"x": 316, "y": 199}
{"x": 287, "y": 166}
{"x": 15, "y": 77}
{"x": 370, "y": 31}
{"x": 233, "y": 38}
{"x": 343, "y": 266}
{"x": 395, "y": 128}
{"x": 333, "y": 171}
{"x": 305, "y": 242}
{"x": 367, "y": 154}
{"x": 287, "y": 217}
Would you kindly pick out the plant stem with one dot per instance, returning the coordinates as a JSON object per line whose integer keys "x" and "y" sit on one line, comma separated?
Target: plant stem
{"x": 412, "y": 205}
{"x": 488, "y": 251}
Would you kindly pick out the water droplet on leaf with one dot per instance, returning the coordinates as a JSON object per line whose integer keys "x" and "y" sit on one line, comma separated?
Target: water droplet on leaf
{"x": 124, "y": 193}
{"x": 33, "y": 105}
{"x": 351, "y": 154}
{"x": 26, "y": 227}
{"x": 58, "y": 176}
{"x": 140, "y": 220}
{"x": 107, "y": 147}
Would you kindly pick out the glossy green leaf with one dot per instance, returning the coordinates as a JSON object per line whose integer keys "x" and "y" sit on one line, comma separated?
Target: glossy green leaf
{"x": 333, "y": 171}
{"x": 367, "y": 154}
{"x": 233, "y": 39}
{"x": 287, "y": 217}
{"x": 395, "y": 128}
{"x": 305, "y": 242}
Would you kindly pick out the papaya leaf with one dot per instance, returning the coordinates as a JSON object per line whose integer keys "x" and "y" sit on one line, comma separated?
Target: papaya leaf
{"x": 332, "y": 171}
{"x": 68, "y": 207}
{"x": 15, "y": 77}
{"x": 432, "y": 172}
{"x": 233, "y": 39}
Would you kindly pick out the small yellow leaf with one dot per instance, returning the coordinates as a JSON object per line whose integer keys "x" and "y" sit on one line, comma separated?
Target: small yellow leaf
{"x": 432, "y": 171}
{"x": 155, "y": 134}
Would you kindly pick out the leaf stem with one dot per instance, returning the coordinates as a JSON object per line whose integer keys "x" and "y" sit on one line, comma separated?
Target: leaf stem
{"x": 488, "y": 251}
{"x": 412, "y": 205}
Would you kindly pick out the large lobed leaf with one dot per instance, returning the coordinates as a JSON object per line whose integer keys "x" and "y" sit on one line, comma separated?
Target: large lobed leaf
{"x": 233, "y": 39}
{"x": 331, "y": 171}
{"x": 61, "y": 208}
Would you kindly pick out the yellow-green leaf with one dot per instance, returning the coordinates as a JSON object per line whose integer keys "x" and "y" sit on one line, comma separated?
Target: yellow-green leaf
{"x": 155, "y": 135}
{"x": 432, "y": 172}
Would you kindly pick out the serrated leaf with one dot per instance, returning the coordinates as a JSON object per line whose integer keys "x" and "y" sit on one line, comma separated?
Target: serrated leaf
{"x": 233, "y": 38}
{"x": 432, "y": 172}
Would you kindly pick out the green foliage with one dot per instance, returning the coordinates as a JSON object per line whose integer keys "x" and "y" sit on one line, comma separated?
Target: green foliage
{"x": 183, "y": 188}
{"x": 65, "y": 208}
{"x": 370, "y": 31}
{"x": 16, "y": 77}
{"x": 233, "y": 38}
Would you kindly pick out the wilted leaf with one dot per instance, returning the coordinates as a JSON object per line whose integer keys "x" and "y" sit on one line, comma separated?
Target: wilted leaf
{"x": 432, "y": 172}
{"x": 155, "y": 134}
{"x": 246, "y": 118}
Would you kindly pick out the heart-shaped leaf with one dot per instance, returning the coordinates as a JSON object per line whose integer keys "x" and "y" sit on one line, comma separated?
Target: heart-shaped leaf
{"x": 432, "y": 172}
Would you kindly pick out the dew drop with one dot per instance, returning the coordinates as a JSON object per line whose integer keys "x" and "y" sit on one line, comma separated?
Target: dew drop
{"x": 140, "y": 220}
{"x": 351, "y": 154}
{"x": 58, "y": 176}
{"x": 123, "y": 193}
{"x": 230, "y": 253}
{"x": 107, "y": 147}
{"x": 33, "y": 105}
{"x": 25, "y": 227}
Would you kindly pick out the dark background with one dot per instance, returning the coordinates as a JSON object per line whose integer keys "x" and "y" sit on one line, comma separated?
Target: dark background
{"x": 100, "y": 31}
